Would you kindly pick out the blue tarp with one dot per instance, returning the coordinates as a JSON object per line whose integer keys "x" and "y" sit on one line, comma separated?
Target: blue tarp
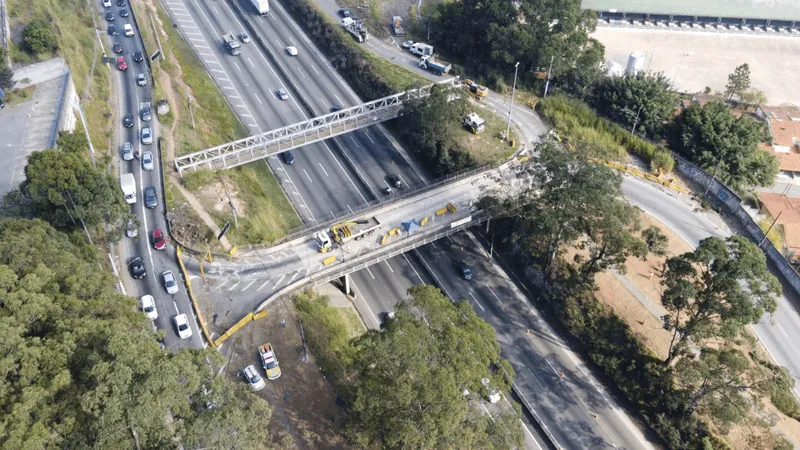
{"x": 411, "y": 226}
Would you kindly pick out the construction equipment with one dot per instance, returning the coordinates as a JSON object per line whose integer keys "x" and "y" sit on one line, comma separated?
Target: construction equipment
{"x": 356, "y": 27}
{"x": 473, "y": 122}
{"x": 397, "y": 26}
{"x": 476, "y": 89}
{"x": 344, "y": 232}
{"x": 269, "y": 362}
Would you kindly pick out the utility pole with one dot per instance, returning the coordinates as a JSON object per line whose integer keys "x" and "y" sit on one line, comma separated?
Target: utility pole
{"x": 513, "y": 91}
{"x": 547, "y": 84}
{"x": 713, "y": 176}
{"x": 766, "y": 233}
{"x": 633, "y": 128}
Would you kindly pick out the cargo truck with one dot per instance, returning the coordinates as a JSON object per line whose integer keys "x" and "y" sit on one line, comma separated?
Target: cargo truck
{"x": 397, "y": 26}
{"x": 269, "y": 362}
{"x": 437, "y": 67}
{"x": 355, "y": 27}
{"x": 421, "y": 49}
{"x": 232, "y": 44}
{"x": 128, "y": 185}
{"x": 262, "y": 6}
{"x": 344, "y": 232}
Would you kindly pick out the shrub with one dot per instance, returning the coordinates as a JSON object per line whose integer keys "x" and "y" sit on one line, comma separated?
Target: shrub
{"x": 39, "y": 37}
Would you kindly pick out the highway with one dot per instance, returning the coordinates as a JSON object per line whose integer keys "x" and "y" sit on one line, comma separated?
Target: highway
{"x": 131, "y": 99}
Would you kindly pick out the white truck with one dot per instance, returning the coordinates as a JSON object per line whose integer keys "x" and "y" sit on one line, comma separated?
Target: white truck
{"x": 473, "y": 123}
{"x": 269, "y": 362}
{"x": 356, "y": 27}
{"x": 128, "y": 185}
{"x": 344, "y": 232}
{"x": 421, "y": 49}
{"x": 232, "y": 44}
{"x": 262, "y": 6}
{"x": 437, "y": 67}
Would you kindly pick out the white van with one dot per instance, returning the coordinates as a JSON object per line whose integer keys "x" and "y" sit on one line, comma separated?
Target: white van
{"x": 128, "y": 30}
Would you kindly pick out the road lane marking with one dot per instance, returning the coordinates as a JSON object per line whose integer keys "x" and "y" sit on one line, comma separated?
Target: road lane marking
{"x": 554, "y": 369}
{"x": 782, "y": 331}
{"x": 222, "y": 284}
{"x": 338, "y": 99}
{"x": 307, "y": 176}
{"x": 354, "y": 141}
{"x": 534, "y": 377}
{"x": 370, "y": 272}
{"x": 237, "y": 66}
{"x": 234, "y": 286}
{"x": 495, "y": 295}
{"x": 279, "y": 281}
{"x": 215, "y": 10}
{"x": 476, "y": 301}
{"x": 412, "y": 268}
{"x": 294, "y": 276}
{"x": 351, "y": 209}
{"x": 174, "y": 304}
{"x": 263, "y": 284}
{"x": 248, "y": 285}
{"x": 387, "y": 265}
{"x": 251, "y": 63}
{"x": 259, "y": 100}
{"x": 301, "y": 72}
{"x": 323, "y": 169}
{"x": 370, "y": 139}
{"x": 315, "y": 69}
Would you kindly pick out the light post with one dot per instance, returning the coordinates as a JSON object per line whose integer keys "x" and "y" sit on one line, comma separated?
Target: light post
{"x": 636, "y": 119}
{"x": 549, "y": 69}
{"x": 513, "y": 91}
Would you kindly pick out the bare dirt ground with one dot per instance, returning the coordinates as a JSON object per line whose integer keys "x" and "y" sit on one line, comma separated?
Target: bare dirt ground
{"x": 306, "y": 415}
{"x": 216, "y": 198}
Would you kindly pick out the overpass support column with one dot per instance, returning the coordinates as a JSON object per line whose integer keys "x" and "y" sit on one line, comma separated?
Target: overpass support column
{"x": 347, "y": 289}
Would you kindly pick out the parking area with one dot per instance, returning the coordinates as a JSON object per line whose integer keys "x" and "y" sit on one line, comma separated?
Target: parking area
{"x": 696, "y": 60}
{"x": 305, "y": 414}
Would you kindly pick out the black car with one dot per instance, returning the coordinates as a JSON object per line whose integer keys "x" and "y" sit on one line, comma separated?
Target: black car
{"x": 288, "y": 157}
{"x": 110, "y": 17}
{"x": 112, "y": 30}
{"x": 335, "y": 108}
{"x": 117, "y": 48}
{"x": 121, "y": 3}
{"x": 463, "y": 270}
{"x": 150, "y": 199}
{"x": 138, "y": 57}
{"x": 124, "y": 13}
{"x": 394, "y": 181}
{"x": 137, "y": 268}
{"x": 127, "y": 120}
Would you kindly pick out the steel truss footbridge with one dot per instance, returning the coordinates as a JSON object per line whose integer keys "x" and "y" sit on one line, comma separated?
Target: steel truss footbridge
{"x": 317, "y": 129}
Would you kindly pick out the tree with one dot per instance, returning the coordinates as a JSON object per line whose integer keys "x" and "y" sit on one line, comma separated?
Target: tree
{"x": 72, "y": 142}
{"x": 410, "y": 392}
{"x": 715, "y": 291}
{"x": 711, "y": 135}
{"x": 753, "y": 98}
{"x": 64, "y": 189}
{"x": 583, "y": 79}
{"x": 656, "y": 241}
{"x": 83, "y": 368}
{"x": 610, "y": 240}
{"x": 738, "y": 81}
{"x": 6, "y": 77}
{"x": 648, "y": 96}
{"x": 39, "y": 37}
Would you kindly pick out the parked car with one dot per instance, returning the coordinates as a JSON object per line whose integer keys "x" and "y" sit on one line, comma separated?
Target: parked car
{"x": 288, "y": 157}
{"x": 127, "y": 151}
{"x": 137, "y": 268}
{"x": 124, "y": 13}
{"x": 291, "y": 50}
{"x": 182, "y": 326}
{"x": 138, "y": 57}
{"x": 121, "y": 64}
{"x": 169, "y": 282}
{"x": 282, "y": 94}
{"x": 147, "y": 161}
{"x": 147, "y": 136}
{"x": 149, "y": 307}
{"x": 244, "y": 37}
{"x": 150, "y": 198}
{"x": 117, "y": 48}
{"x": 146, "y": 114}
{"x": 127, "y": 120}
{"x": 159, "y": 243}
{"x": 255, "y": 381}
{"x": 110, "y": 17}
{"x": 112, "y": 30}
{"x": 128, "y": 30}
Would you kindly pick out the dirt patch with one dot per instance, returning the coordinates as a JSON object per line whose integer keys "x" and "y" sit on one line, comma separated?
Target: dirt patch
{"x": 305, "y": 413}
{"x": 218, "y": 199}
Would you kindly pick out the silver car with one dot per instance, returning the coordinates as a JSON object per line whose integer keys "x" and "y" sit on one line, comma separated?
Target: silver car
{"x": 147, "y": 136}
{"x": 147, "y": 160}
{"x": 169, "y": 282}
{"x": 127, "y": 151}
{"x": 282, "y": 94}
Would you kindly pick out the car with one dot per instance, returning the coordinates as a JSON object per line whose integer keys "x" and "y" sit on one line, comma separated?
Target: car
{"x": 147, "y": 160}
{"x": 335, "y": 108}
{"x": 407, "y": 44}
{"x": 150, "y": 198}
{"x": 159, "y": 243}
{"x": 147, "y": 136}
{"x": 169, "y": 282}
{"x": 345, "y": 12}
{"x": 127, "y": 151}
{"x": 394, "y": 181}
{"x": 124, "y": 13}
{"x": 253, "y": 378}
{"x": 127, "y": 120}
{"x": 120, "y": 2}
{"x": 138, "y": 57}
{"x": 282, "y": 94}
{"x": 146, "y": 114}
{"x": 121, "y": 64}
{"x": 112, "y": 30}
{"x": 141, "y": 79}
{"x": 137, "y": 268}
{"x": 110, "y": 16}
{"x": 244, "y": 37}
{"x": 128, "y": 30}
{"x": 288, "y": 157}
{"x": 117, "y": 48}
{"x": 106, "y": 3}
{"x": 149, "y": 307}
{"x": 182, "y": 326}
{"x": 131, "y": 229}
{"x": 463, "y": 270}
{"x": 291, "y": 50}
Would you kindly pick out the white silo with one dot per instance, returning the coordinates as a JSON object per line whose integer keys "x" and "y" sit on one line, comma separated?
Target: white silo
{"x": 635, "y": 63}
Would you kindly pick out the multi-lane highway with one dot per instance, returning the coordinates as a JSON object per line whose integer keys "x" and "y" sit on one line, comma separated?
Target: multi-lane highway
{"x": 132, "y": 98}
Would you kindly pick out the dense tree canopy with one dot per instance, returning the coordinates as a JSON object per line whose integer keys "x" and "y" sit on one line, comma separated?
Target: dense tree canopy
{"x": 412, "y": 377}
{"x": 82, "y": 368}
{"x": 712, "y": 135}
{"x": 39, "y": 37}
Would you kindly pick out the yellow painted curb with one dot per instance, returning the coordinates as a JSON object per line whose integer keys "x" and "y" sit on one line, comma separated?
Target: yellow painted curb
{"x": 192, "y": 298}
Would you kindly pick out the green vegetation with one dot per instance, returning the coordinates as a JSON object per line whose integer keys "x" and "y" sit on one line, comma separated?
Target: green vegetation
{"x": 712, "y": 136}
{"x": 39, "y": 37}
{"x": 578, "y": 124}
{"x": 656, "y": 242}
{"x": 75, "y": 34}
{"x": 6, "y": 74}
{"x": 17, "y": 96}
{"x": 83, "y": 369}
{"x": 738, "y": 81}
{"x": 405, "y": 384}
{"x": 775, "y": 236}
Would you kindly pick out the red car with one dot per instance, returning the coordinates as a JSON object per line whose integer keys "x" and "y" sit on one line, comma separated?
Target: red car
{"x": 158, "y": 239}
{"x": 121, "y": 64}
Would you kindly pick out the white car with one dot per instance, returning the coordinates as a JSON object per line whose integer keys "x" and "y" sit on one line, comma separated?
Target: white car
{"x": 253, "y": 378}
{"x": 182, "y": 326}
{"x": 107, "y": 3}
{"x": 147, "y": 160}
{"x": 127, "y": 151}
{"x": 128, "y": 30}
{"x": 169, "y": 282}
{"x": 291, "y": 50}
{"x": 147, "y": 136}
{"x": 149, "y": 307}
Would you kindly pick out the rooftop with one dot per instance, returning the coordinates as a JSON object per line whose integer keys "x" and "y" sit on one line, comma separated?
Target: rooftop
{"x": 750, "y": 9}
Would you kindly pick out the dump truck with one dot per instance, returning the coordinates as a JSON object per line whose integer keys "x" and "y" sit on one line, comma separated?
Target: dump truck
{"x": 355, "y": 27}
{"x": 128, "y": 184}
{"x": 421, "y": 49}
{"x": 437, "y": 67}
{"x": 473, "y": 123}
{"x": 269, "y": 362}
{"x": 262, "y": 6}
{"x": 344, "y": 232}
{"x": 397, "y": 26}
{"x": 232, "y": 44}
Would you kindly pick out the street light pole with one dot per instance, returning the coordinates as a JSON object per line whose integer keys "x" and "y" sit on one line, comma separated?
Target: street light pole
{"x": 513, "y": 91}
{"x": 549, "y": 69}
{"x": 636, "y": 119}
